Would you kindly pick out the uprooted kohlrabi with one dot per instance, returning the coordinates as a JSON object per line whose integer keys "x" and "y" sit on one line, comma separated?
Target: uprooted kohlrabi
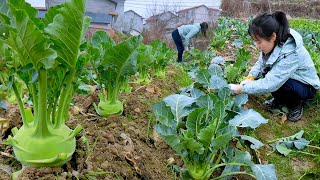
{"x": 45, "y": 54}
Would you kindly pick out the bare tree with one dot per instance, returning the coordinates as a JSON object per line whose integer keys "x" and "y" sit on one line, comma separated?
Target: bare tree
{"x": 162, "y": 20}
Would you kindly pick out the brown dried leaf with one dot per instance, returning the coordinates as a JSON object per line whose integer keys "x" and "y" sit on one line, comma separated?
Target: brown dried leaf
{"x": 283, "y": 118}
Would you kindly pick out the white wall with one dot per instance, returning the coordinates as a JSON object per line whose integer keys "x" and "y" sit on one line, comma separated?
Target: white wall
{"x": 37, "y": 3}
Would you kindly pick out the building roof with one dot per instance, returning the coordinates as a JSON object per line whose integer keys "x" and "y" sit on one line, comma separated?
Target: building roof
{"x": 195, "y": 7}
{"x": 161, "y": 14}
{"x": 133, "y": 12}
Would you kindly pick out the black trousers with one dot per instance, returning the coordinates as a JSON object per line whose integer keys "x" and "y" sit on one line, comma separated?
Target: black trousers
{"x": 293, "y": 92}
{"x": 177, "y": 40}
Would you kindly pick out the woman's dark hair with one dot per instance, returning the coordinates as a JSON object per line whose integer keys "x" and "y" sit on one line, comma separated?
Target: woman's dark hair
{"x": 265, "y": 24}
{"x": 204, "y": 27}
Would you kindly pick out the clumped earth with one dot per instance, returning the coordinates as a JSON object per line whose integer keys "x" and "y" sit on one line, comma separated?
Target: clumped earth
{"x": 117, "y": 147}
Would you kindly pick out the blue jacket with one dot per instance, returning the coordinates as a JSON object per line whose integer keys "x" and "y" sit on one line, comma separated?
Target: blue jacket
{"x": 188, "y": 31}
{"x": 291, "y": 61}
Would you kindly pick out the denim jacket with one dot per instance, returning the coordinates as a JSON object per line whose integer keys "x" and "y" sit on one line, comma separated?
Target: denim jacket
{"x": 291, "y": 61}
{"x": 188, "y": 31}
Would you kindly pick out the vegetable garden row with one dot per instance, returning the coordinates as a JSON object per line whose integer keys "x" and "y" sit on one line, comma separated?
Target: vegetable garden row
{"x": 47, "y": 66}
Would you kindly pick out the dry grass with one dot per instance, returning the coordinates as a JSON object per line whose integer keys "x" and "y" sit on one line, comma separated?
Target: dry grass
{"x": 296, "y": 8}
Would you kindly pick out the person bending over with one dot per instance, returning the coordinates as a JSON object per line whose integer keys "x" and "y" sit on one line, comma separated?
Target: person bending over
{"x": 181, "y": 36}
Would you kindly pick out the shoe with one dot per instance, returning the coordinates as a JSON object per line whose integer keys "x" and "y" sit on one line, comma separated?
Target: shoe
{"x": 295, "y": 113}
{"x": 271, "y": 104}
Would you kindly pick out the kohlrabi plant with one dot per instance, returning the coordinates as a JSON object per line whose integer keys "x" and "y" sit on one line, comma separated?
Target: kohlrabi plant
{"x": 44, "y": 55}
{"x": 235, "y": 71}
{"x": 162, "y": 55}
{"x": 203, "y": 129}
{"x": 114, "y": 64}
{"x": 144, "y": 63}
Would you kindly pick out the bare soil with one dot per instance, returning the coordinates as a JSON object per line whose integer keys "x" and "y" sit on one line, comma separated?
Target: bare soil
{"x": 119, "y": 147}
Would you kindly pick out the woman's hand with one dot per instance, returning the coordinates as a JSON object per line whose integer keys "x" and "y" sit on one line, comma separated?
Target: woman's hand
{"x": 235, "y": 88}
{"x": 186, "y": 48}
{"x": 248, "y": 79}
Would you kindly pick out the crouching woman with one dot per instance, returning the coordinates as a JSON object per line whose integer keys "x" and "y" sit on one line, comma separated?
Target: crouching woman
{"x": 284, "y": 68}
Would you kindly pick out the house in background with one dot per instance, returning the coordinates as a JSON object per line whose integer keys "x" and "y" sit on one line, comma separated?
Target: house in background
{"x": 165, "y": 21}
{"x": 132, "y": 23}
{"x": 198, "y": 14}
{"x": 105, "y": 14}
{"x": 170, "y": 21}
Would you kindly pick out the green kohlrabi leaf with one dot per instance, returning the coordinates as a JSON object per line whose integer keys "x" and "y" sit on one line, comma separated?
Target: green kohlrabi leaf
{"x": 218, "y": 60}
{"x": 178, "y": 104}
{"x": 219, "y": 111}
{"x": 301, "y": 143}
{"x": 255, "y": 144}
{"x": 192, "y": 145}
{"x": 203, "y": 77}
{"x": 215, "y": 69}
{"x": 102, "y": 37}
{"x": 121, "y": 59}
{"x": 206, "y": 134}
{"x": 282, "y": 148}
{"x": 222, "y": 140}
{"x": 196, "y": 120}
{"x": 264, "y": 171}
{"x": 205, "y": 101}
{"x": 67, "y": 40}
{"x": 287, "y": 144}
{"x": 39, "y": 53}
{"x": 248, "y": 118}
{"x": 170, "y": 137}
{"x": 217, "y": 82}
{"x": 240, "y": 100}
{"x": 163, "y": 114}
{"x": 51, "y": 13}
{"x": 224, "y": 94}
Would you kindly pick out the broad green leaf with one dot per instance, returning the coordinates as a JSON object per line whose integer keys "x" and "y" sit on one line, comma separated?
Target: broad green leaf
{"x": 196, "y": 93}
{"x": 206, "y": 134}
{"x": 4, "y": 19}
{"x": 237, "y": 43}
{"x": 66, "y": 41}
{"x": 224, "y": 94}
{"x": 192, "y": 91}
{"x": 222, "y": 140}
{"x": 240, "y": 157}
{"x": 205, "y": 102}
{"x": 122, "y": 58}
{"x": 85, "y": 26}
{"x": 101, "y": 37}
{"x": 29, "y": 43}
{"x": 170, "y": 137}
{"x": 301, "y": 143}
{"x": 203, "y": 77}
{"x": 163, "y": 114}
{"x": 215, "y": 69}
{"x": 255, "y": 144}
{"x": 248, "y": 118}
{"x": 178, "y": 104}
{"x": 281, "y": 148}
{"x": 219, "y": 112}
{"x": 4, "y": 10}
{"x": 264, "y": 171}
{"x": 217, "y": 82}
{"x": 192, "y": 145}
{"x": 218, "y": 60}
{"x": 31, "y": 11}
{"x": 51, "y": 13}
{"x": 240, "y": 100}
{"x": 291, "y": 142}
{"x": 196, "y": 120}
